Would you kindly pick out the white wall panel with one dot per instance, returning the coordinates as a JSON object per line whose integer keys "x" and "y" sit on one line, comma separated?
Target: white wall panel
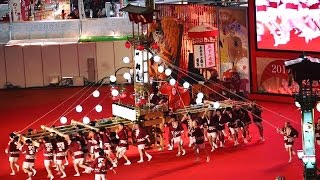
{"x": 33, "y": 66}
{"x": 51, "y": 63}
{"x": 105, "y": 59}
{"x": 15, "y": 65}
{"x": 86, "y": 50}
{"x": 69, "y": 60}
{"x": 3, "y": 75}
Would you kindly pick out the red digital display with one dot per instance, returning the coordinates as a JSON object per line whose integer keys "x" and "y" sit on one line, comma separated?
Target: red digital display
{"x": 288, "y": 24}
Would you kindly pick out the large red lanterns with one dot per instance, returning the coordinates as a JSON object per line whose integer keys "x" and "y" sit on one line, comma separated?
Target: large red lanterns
{"x": 155, "y": 46}
{"x": 140, "y": 47}
{"x": 127, "y": 44}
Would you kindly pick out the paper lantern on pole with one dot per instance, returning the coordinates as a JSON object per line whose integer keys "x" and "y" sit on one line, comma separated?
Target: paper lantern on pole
{"x": 156, "y": 58}
{"x": 98, "y": 108}
{"x": 172, "y": 82}
{"x": 126, "y": 76}
{"x": 199, "y": 101}
{"x": 96, "y": 93}
{"x": 86, "y": 120}
{"x": 113, "y": 78}
{"x": 200, "y": 95}
{"x": 318, "y": 107}
{"x": 126, "y": 60}
{"x": 168, "y": 72}
{"x": 63, "y": 120}
{"x": 127, "y": 44}
{"x": 216, "y": 105}
{"x": 79, "y": 108}
{"x": 160, "y": 69}
{"x": 186, "y": 85}
{"x": 114, "y": 92}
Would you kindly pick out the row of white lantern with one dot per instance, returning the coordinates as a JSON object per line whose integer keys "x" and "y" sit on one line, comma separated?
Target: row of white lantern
{"x": 64, "y": 120}
{"x": 79, "y": 108}
{"x": 156, "y": 59}
{"x": 126, "y": 76}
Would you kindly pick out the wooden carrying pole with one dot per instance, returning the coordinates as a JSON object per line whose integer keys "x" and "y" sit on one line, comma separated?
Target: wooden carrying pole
{"x": 35, "y": 143}
{"x": 52, "y": 130}
{"x": 73, "y": 122}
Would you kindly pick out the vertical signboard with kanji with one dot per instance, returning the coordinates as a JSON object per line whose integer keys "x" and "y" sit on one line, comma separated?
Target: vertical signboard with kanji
{"x": 138, "y": 66}
{"x": 210, "y": 55}
{"x": 199, "y": 56}
{"x": 15, "y": 7}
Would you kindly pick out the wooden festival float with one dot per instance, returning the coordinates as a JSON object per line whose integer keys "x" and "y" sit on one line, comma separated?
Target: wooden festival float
{"x": 151, "y": 117}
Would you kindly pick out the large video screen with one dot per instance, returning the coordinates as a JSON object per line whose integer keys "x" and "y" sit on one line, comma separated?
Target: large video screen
{"x": 288, "y": 24}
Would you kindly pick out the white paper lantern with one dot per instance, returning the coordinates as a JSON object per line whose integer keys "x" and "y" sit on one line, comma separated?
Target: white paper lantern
{"x": 160, "y": 69}
{"x": 186, "y": 85}
{"x": 113, "y": 78}
{"x": 172, "y": 82}
{"x": 79, "y": 108}
{"x": 114, "y": 92}
{"x": 297, "y": 104}
{"x": 98, "y": 108}
{"x": 199, "y": 101}
{"x": 216, "y": 105}
{"x": 126, "y": 76}
{"x": 96, "y": 93}
{"x": 126, "y": 60}
{"x": 318, "y": 107}
{"x": 200, "y": 95}
{"x": 156, "y": 58}
{"x": 63, "y": 120}
{"x": 168, "y": 72}
{"x": 86, "y": 120}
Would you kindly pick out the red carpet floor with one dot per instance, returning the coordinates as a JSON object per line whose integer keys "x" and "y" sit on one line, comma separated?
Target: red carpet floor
{"x": 19, "y": 108}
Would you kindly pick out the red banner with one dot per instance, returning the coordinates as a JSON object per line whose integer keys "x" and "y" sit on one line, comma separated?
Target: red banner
{"x": 25, "y": 9}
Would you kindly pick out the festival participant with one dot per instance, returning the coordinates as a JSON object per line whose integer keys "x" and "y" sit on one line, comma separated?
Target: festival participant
{"x": 142, "y": 138}
{"x": 188, "y": 121}
{"x": 257, "y": 118}
{"x": 13, "y": 152}
{"x": 61, "y": 149}
{"x": 204, "y": 122}
{"x": 199, "y": 141}
{"x": 106, "y": 141}
{"x": 212, "y": 132}
{"x": 317, "y": 131}
{"x": 176, "y": 130}
{"x": 122, "y": 135}
{"x": 239, "y": 123}
{"x": 231, "y": 122}
{"x": 77, "y": 154}
{"x": 47, "y": 148}
{"x": 100, "y": 166}
{"x": 84, "y": 144}
{"x": 289, "y": 133}
{"x": 96, "y": 144}
{"x": 28, "y": 164}
{"x": 246, "y": 120}
{"x": 170, "y": 137}
{"x": 221, "y": 126}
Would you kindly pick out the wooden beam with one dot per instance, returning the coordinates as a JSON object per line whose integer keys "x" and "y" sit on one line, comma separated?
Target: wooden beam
{"x": 35, "y": 143}
{"x": 84, "y": 125}
{"x": 52, "y": 130}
